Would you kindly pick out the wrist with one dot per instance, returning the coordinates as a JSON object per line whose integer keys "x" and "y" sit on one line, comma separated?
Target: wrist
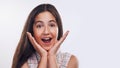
{"x": 43, "y": 54}
{"x": 51, "y": 55}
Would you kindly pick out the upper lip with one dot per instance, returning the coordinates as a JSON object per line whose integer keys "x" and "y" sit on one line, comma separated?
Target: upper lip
{"x": 46, "y": 38}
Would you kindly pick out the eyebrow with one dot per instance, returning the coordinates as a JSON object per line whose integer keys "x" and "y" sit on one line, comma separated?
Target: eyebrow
{"x": 38, "y": 22}
{"x": 42, "y": 21}
{"x": 52, "y": 21}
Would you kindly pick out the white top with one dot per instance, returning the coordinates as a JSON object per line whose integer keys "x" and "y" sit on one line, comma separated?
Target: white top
{"x": 62, "y": 60}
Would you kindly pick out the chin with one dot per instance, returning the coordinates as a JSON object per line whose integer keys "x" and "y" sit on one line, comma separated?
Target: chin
{"x": 47, "y": 48}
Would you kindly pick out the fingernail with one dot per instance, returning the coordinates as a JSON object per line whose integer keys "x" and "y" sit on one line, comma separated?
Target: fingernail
{"x": 27, "y": 32}
{"x": 68, "y": 31}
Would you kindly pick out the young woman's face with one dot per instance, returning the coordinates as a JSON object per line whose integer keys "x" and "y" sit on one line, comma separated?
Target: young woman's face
{"x": 45, "y": 30}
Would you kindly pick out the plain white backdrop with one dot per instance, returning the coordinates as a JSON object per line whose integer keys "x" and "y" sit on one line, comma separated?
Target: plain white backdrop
{"x": 94, "y": 27}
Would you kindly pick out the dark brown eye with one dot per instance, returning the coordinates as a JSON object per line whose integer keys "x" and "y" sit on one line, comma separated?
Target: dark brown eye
{"x": 52, "y": 25}
{"x": 39, "y": 26}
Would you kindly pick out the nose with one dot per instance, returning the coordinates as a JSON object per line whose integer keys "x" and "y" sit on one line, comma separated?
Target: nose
{"x": 46, "y": 30}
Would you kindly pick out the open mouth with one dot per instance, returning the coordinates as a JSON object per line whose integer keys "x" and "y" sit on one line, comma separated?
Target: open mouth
{"x": 46, "y": 40}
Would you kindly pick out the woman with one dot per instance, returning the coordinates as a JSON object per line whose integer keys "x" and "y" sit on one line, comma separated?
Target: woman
{"x": 40, "y": 40}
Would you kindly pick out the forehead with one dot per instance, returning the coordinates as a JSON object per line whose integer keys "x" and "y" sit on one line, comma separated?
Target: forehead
{"x": 44, "y": 16}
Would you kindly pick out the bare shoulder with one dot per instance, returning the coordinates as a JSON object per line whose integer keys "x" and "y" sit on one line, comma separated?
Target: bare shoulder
{"x": 25, "y": 65}
{"x": 73, "y": 63}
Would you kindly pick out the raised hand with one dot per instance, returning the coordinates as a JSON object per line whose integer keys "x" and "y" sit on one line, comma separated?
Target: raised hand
{"x": 55, "y": 48}
{"x": 37, "y": 47}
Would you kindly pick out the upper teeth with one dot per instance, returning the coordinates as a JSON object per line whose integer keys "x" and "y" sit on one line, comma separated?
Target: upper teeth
{"x": 46, "y": 38}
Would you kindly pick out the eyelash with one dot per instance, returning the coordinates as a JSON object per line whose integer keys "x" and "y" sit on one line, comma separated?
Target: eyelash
{"x": 52, "y": 25}
{"x": 39, "y": 26}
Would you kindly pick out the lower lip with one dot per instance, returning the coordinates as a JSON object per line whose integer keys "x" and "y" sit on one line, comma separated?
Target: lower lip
{"x": 46, "y": 43}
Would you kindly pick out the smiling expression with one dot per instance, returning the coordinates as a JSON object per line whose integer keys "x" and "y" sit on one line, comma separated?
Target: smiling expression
{"x": 45, "y": 30}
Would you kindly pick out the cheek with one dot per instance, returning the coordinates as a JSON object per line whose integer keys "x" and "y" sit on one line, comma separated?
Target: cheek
{"x": 36, "y": 33}
{"x": 37, "y": 36}
{"x": 55, "y": 32}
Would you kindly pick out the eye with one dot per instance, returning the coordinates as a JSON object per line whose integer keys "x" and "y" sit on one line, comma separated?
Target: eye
{"x": 52, "y": 25}
{"x": 39, "y": 26}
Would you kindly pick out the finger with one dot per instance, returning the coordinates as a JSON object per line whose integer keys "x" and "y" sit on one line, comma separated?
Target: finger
{"x": 55, "y": 48}
{"x": 62, "y": 38}
{"x": 32, "y": 40}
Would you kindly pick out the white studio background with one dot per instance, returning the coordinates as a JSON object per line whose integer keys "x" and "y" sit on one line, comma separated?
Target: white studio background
{"x": 94, "y": 30}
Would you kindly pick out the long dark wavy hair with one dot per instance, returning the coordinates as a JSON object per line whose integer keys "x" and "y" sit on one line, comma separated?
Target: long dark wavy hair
{"x": 24, "y": 48}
